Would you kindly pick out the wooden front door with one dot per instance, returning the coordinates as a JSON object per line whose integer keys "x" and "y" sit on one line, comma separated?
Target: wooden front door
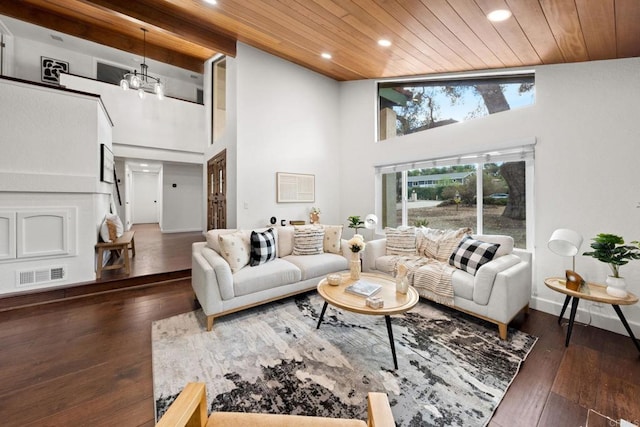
{"x": 217, "y": 191}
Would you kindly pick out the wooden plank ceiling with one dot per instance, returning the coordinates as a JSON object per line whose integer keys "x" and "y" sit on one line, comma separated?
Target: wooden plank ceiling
{"x": 427, "y": 36}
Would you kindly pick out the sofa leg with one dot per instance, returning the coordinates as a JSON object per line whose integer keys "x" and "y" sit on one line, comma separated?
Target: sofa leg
{"x": 502, "y": 329}
{"x": 209, "y": 323}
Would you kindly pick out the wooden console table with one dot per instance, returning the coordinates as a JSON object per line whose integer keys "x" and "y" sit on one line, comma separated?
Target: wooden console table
{"x": 121, "y": 246}
{"x": 593, "y": 292}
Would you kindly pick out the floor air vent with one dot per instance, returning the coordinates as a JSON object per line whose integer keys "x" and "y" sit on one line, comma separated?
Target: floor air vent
{"x": 39, "y": 276}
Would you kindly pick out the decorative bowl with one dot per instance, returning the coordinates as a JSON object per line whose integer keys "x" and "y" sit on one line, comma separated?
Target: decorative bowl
{"x": 334, "y": 279}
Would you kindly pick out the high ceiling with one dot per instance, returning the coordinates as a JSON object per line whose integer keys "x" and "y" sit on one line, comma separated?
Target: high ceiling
{"x": 427, "y": 36}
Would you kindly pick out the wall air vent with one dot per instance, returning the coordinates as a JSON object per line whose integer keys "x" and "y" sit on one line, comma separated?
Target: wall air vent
{"x": 40, "y": 276}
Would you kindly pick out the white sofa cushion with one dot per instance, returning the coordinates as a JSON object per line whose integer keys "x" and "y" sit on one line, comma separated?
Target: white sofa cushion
{"x": 463, "y": 284}
{"x": 235, "y": 249}
{"x": 265, "y": 276}
{"x": 386, "y": 263}
{"x": 333, "y": 239}
{"x": 285, "y": 240}
{"x": 506, "y": 242}
{"x": 318, "y": 265}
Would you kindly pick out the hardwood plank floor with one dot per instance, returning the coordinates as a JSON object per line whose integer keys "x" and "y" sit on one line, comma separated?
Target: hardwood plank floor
{"x": 87, "y": 361}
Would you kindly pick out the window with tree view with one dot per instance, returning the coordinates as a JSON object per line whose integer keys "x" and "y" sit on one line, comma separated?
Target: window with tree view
{"x": 488, "y": 195}
{"x": 414, "y": 106}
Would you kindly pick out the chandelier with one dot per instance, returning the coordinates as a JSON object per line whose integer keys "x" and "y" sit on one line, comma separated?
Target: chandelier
{"x": 142, "y": 81}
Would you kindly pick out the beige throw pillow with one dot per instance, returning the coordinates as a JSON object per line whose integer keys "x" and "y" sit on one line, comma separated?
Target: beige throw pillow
{"x": 333, "y": 239}
{"x": 401, "y": 241}
{"x": 449, "y": 241}
{"x": 235, "y": 248}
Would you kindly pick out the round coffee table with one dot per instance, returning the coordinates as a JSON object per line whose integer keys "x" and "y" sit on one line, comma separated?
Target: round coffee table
{"x": 394, "y": 302}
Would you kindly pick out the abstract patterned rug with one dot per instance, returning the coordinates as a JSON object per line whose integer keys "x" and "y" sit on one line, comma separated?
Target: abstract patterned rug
{"x": 453, "y": 369}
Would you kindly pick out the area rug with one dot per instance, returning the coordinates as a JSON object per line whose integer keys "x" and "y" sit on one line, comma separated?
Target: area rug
{"x": 453, "y": 369}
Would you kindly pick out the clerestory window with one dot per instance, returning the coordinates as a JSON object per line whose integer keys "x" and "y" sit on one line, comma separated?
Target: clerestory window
{"x": 412, "y": 106}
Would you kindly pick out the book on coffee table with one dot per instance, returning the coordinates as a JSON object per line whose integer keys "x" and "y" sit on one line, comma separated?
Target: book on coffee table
{"x": 363, "y": 288}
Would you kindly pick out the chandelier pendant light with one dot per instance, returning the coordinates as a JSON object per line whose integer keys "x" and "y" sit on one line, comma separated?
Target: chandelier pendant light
{"x": 142, "y": 81}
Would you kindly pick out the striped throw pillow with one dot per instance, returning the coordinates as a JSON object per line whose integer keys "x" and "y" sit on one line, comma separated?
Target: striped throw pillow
{"x": 401, "y": 241}
{"x": 308, "y": 240}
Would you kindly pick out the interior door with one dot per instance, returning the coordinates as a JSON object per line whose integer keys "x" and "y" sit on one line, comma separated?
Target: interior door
{"x": 217, "y": 191}
{"x": 145, "y": 198}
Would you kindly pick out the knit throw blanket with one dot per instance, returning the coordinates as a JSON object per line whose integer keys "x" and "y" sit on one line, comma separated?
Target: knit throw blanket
{"x": 430, "y": 277}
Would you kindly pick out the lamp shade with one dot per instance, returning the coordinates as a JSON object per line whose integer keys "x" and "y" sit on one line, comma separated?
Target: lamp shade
{"x": 565, "y": 242}
{"x": 370, "y": 221}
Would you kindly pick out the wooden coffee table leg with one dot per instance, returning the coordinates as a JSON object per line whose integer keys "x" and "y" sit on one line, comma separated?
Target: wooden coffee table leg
{"x": 324, "y": 308}
{"x": 626, "y": 325}
{"x": 393, "y": 346}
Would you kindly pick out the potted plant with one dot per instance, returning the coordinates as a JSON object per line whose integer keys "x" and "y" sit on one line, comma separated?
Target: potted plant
{"x": 355, "y": 222}
{"x": 612, "y": 250}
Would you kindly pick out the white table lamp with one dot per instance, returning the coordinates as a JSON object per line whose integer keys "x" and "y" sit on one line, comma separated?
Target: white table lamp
{"x": 565, "y": 242}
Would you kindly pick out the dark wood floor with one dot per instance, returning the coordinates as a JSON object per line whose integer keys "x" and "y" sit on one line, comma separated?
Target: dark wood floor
{"x": 87, "y": 361}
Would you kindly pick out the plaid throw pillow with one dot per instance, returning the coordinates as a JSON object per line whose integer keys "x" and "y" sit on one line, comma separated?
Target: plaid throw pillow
{"x": 263, "y": 247}
{"x": 472, "y": 254}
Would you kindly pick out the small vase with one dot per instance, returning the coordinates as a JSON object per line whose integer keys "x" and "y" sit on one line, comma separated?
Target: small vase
{"x": 314, "y": 218}
{"x": 616, "y": 287}
{"x": 402, "y": 284}
{"x": 355, "y": 266}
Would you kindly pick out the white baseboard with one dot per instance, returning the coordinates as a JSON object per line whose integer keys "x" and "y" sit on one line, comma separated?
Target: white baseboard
{"x": 184, "y": 230}
{"x": 599, "y": 315}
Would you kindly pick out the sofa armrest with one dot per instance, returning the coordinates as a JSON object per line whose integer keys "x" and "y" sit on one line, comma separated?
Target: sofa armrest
{"x": 511, "y": 292}
{"x": 205, "y": 284}
{"x": 486, "y": 275}
{"x": 372, "y": 251}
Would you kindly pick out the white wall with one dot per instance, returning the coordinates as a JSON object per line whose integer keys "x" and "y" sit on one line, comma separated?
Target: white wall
{"x": 55, "y": 164}
{"x": 287, "y": 122}
{"x": 182, "y": 204}
{"x": 163, "y": 129}
{"x": 585, "y": 121}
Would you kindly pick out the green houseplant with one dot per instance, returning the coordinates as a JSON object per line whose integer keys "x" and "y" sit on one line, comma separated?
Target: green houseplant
{"x": 612, "y": 250}
{"x": 355, "y": 222}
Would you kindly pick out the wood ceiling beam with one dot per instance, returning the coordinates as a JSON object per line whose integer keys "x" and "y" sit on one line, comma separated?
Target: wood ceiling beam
{"x": 102, "y": 35}
{"x": 173, "y": 20}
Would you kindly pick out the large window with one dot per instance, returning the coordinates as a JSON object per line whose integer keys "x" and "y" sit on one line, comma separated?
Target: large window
{"x": 487, "y": 192}
{"x": 412, "y": 106}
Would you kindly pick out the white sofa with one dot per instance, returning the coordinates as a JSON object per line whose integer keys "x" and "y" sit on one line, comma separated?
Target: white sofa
{"x": 221, "y": 291}
{"x": 499, "y": 290}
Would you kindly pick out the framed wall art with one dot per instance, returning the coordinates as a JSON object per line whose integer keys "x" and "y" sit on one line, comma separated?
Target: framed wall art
{"x": 107, "y": 164}
{"x": 295, "y": 187}
{"x": 51, "y": 69}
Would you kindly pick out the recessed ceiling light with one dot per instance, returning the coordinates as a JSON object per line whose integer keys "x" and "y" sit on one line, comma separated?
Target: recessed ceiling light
{"x": 384, "y": 42}
{"x": 211, "y": 2}
{"x": 146, "y": 170}
{"x": 326, "y": 55}
{"x": 499, "y": 15}
{"x": 143, "y": 164}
